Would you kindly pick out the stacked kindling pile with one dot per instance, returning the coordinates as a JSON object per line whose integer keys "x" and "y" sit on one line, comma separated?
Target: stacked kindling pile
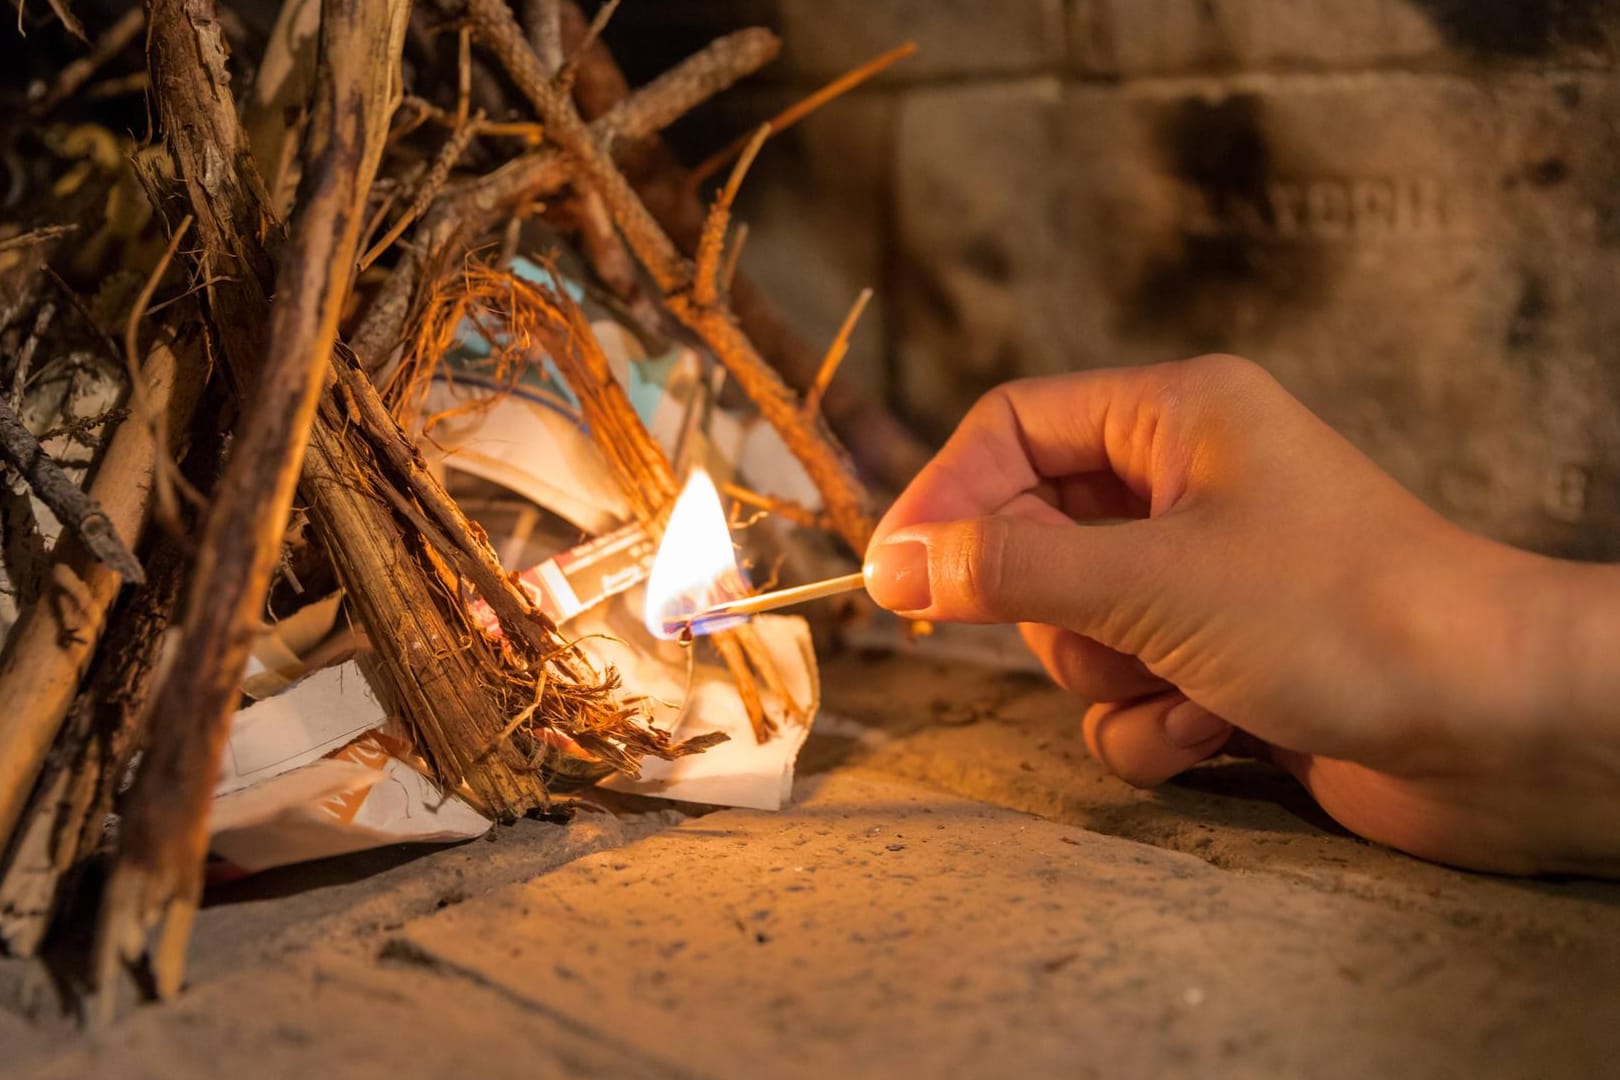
{"x": 218, "y": 343}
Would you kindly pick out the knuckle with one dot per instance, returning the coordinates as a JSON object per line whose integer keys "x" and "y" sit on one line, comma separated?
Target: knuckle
{"x": 981, "y": 556}
{"x": 1226, "y": 373}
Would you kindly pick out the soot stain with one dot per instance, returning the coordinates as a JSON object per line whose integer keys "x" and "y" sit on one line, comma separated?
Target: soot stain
{"x": 1220, "y": 152}
{"x": 1519, "y": 28}
{"x": 1530, "y": 314}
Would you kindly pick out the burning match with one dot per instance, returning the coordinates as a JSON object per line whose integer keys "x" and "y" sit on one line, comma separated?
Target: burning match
{"x": 686, "y": 625}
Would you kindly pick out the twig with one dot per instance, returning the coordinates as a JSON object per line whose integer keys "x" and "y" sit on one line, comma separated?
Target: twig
{"x": 463, "y": 214}
{"x": 706, "y": 288}
{"x": 883, "y": 445}
{"x": 118, "y": 37}
{"x": 785, "y": 119}
{"x": 52, "y": 642}
{"x": 166, "y": 477}
{"x": 783, "y": 508}
{"x": 728, "y": 269}
{"x": 545, "y": 31}
{"x": 72, "y": 507}
{"x": 565, "y": 76}
{"x": 499, "y": 32}
{"x": 25, "y": 356}
{"x": 835, "y": 354}
{"x": 36, "y": 236}
{"x": 437, "y": 174}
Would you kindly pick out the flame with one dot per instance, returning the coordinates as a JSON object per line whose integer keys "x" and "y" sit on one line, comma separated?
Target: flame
{"x": 696, "y": 566}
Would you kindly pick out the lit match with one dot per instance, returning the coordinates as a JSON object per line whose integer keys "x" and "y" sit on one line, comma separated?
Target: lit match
{"x": 768, "y": 601}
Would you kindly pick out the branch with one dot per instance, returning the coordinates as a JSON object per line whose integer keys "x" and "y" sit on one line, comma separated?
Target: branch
{"x": 72, "y": 507}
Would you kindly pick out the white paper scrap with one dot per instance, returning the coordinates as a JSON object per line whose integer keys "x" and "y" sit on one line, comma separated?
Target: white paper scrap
{"x": 741, "y": 771}
{"x": 330, "y": 708}
{"x": 333, "y": 807}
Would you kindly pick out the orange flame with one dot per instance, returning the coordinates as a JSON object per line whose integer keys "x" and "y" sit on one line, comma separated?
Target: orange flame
{"x": 696, "y": 565}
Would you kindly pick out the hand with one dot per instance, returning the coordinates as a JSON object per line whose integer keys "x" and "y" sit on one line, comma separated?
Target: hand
{"x": 1189, "y": 547}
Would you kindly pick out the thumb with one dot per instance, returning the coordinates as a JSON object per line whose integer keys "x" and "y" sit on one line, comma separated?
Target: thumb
{"x": 1012, "y": 569}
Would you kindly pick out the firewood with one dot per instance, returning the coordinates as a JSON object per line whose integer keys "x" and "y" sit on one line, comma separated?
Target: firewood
{"x": 72, "y": 507}
{"x": 157, "y": 878}
{"x": 51, "y": 645}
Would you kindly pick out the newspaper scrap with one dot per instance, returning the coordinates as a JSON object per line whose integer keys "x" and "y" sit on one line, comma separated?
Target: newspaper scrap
{"x": 361, "y": 797}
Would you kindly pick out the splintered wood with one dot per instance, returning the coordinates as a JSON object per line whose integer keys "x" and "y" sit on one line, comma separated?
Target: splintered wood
{"x": 285, "y": 273}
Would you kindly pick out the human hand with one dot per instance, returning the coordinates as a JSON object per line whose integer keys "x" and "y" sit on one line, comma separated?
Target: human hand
{"x": 1261, "y": 587}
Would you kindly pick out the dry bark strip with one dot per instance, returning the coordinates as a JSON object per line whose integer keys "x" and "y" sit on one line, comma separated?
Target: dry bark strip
{"x": 72, "y": 507}
{"x": 157, "y": 878}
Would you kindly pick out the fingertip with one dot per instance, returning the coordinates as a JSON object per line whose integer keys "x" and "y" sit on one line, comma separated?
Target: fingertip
{"x": 896, "y": 575}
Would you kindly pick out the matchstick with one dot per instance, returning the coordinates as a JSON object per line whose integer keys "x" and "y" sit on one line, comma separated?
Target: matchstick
{"x": 770, "y": 601}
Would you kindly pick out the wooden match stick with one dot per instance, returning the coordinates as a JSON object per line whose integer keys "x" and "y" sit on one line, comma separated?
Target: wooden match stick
{"x": 770, "y": 601}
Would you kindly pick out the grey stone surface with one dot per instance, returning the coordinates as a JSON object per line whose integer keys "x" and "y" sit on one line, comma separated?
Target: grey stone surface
{"x": 1423, "y": 259}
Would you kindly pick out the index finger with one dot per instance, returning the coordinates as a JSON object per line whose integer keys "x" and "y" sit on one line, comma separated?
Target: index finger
{"x": 1025, "y": 433}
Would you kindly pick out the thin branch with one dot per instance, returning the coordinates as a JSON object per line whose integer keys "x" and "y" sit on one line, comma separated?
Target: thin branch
{"x": 36, "y": 236}
{"x": 72, "y": 507}
{"x": 783, "y": 508}
{"x": 835, "y": 354}
{"x": 706, "y": 276}
{"x": 728, "y": 269}
{"x": 157, "y": 879}
{"x": 791, "y": 115}
{"x": 811, "y": 443}
{"x": 565, "y": 77}
{"x": 437, "y": 174}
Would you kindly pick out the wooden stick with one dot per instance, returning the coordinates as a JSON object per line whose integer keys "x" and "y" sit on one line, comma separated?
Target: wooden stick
{"x": 706, "y": 287}
{"x": 157, "y": 879}
{"x": 51, "y": 644}
{"x": 799, "y": 515}
{"x": 728, "y": 270}
{"x": 835, "y": 354}
{"x": 791, "y": 115}
{"x": 886, "y": 449}
{"x": 72, "y": 507}
{"x": 771, "y": 601}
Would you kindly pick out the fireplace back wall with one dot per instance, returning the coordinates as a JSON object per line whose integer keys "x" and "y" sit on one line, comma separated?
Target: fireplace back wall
{"x": 1408, "y": 210}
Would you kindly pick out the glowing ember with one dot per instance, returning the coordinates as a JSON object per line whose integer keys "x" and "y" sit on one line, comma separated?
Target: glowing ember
{"x": 696, "y": 566}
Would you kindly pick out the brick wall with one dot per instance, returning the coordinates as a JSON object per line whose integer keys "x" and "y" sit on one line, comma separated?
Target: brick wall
{"x": 1409, "y": 210}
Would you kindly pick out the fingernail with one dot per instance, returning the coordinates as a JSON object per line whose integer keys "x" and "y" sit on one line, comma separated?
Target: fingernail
{"x": 1190, "y": 724}
{"x": 897, "y": 575}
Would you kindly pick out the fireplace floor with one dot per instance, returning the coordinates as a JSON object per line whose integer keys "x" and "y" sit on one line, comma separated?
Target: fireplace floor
{"x": 957, "y": 890}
